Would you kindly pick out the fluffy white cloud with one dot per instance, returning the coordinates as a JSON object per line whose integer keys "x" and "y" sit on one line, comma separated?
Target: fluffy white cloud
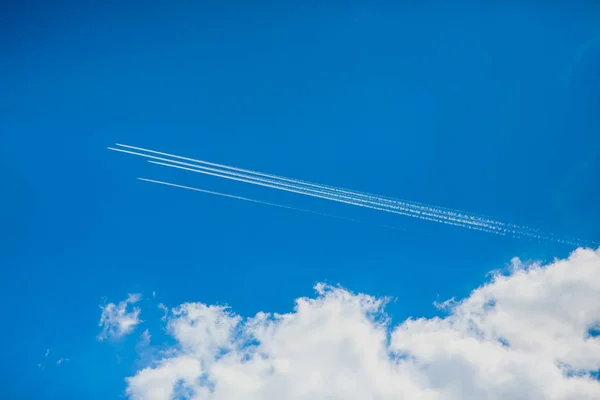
{"x": 524, "y": 335}
{"x": 116, "y": 321}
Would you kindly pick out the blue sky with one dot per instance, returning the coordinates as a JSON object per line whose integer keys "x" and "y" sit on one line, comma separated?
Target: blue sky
{"x": 490, "y": 109}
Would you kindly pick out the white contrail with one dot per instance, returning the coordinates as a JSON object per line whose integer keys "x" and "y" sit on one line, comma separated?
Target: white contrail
{"x": 380, "y": 203}
{"x": 381, "y": 199}
{"x": 267, "y": 203}
{"x": 403, "y": 208}
{"x": 515, "y": 234}
{"x": 307, "y": 183}
{"x": 253, "y": 182}
{"x": 274, "y": 182}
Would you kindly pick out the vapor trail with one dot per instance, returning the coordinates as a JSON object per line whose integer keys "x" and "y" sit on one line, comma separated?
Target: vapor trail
{"x": 515, "y": 234}
{"x": 453, "y": 213}
{"x": 267, "y": 203}
{"x": 254, "y": 182}
{"x": 380, "y": 203}
{"x": 403, "y": 209}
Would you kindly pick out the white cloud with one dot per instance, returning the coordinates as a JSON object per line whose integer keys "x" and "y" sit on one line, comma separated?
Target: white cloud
{"x": 116, "y": 321}
{"x": 520, "y": 336}
{"x": 145, "y": 338}
{"x": 47, "y": 361}
{"x": 143, "y": 344}
{"x": 165, "y": 310}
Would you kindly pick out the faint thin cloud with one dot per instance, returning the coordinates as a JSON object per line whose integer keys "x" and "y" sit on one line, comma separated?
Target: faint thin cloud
{"x": 117, "y": 320}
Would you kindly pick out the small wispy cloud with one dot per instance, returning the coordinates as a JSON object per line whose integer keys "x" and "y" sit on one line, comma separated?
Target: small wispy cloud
{"x": 143, "y": 347}
{"x": 48, "y": 360}
{"x": 164, "y": 309}
{"x": 117, "y": 320}
{"x": 145, "y": 338}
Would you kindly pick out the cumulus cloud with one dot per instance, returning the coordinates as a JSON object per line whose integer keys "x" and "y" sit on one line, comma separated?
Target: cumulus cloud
{"x": 523, "y": 335}
{"x": 117, "y": 320}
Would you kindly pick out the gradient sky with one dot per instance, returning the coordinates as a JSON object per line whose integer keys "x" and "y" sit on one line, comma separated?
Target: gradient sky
{"x": 490, "y": 109}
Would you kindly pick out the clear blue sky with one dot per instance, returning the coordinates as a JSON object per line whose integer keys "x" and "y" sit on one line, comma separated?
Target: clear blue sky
{"x": 490, "y": 109}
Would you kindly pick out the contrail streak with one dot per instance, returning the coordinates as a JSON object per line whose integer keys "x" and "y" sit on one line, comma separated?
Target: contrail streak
{"x": 404, "y": 209}
{"x": 267, "y": 203}
{"x": 253, "y": 182}
{"x": 422, "y": 211}
{"x": 432, "y": 218}
{"x": 382, "y": 199}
